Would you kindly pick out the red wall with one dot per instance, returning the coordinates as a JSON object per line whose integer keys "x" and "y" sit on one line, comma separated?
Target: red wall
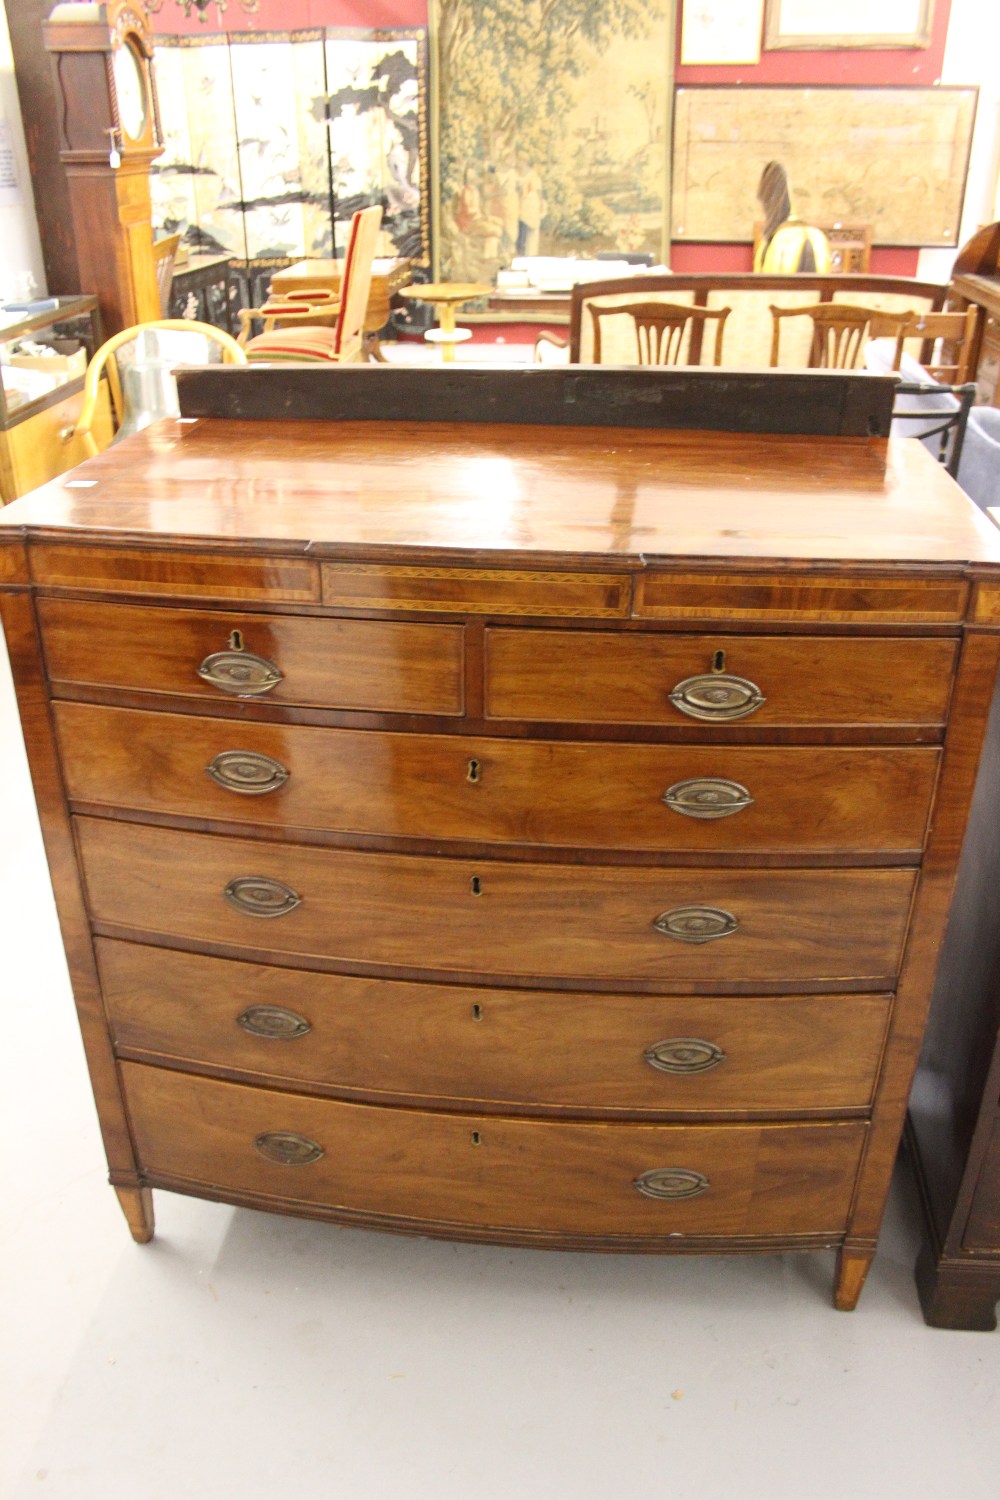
{"x": 864, "y": 66}
{"x": 915, "y": 66}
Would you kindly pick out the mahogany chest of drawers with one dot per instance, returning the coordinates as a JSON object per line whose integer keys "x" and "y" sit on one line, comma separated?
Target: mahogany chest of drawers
{"x": 521, "y": 833}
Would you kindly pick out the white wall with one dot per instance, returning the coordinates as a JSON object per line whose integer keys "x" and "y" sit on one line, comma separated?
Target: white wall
{"x": 20, "y": 248}
{"x": 972, "y": 56}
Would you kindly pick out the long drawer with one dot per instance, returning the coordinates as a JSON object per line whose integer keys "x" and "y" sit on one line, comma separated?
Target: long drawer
{"x": 495, "y": 918}
{"x": 492, "y": 1172}
{"x": 350, "y": 664}
{"x": 460, "y": 1043}
{"x": 768, "y": 681}
{"x": 620, "y": 796}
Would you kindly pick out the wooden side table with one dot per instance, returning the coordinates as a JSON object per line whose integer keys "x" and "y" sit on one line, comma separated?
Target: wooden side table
{"x": 445, "y": 297}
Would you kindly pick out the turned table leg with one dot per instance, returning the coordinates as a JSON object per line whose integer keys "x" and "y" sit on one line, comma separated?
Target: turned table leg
{"x": 137, "y": 1206}
{"x": 852, "y": 1268}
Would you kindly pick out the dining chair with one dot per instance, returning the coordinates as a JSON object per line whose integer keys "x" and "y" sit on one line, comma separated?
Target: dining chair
{"x": 660, "y": 328}
{"x": 840, "y": 331}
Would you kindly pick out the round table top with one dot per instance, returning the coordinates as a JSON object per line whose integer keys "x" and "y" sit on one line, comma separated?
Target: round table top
{"x": 446, "y": 291}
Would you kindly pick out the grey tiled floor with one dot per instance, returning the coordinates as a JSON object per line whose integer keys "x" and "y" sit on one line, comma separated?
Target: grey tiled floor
{"x": 245, "y": 1357}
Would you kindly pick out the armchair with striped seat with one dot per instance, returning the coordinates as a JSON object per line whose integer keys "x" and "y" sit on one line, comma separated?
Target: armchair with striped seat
{"x": 292, "y": 333}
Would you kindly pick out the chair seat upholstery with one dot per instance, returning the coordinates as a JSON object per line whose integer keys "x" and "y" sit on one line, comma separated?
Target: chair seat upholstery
{"x": 295, "y": 345}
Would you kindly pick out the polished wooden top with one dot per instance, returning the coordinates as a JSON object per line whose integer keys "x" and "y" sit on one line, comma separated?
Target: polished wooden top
{"x": 347, "y": 488}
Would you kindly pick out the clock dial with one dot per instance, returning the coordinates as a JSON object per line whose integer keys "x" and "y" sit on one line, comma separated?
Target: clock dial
{"x": 130, "y": 87}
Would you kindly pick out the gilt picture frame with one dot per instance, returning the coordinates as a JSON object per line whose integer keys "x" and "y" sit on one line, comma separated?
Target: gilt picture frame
{"x": 807, "y": 25}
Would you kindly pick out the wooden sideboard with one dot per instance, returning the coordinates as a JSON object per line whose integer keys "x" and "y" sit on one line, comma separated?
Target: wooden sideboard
{"x": 504, "y": 824}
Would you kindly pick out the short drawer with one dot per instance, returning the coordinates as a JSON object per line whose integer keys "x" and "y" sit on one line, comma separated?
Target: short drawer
{"x": 783, "y": 799}
{"x": 386, "y": 665}
{"x": 453, "y": 1043}
{"x": 640, "y": 1181}
{"x": 767, "y": 681}
{"x": 460, "y": 916}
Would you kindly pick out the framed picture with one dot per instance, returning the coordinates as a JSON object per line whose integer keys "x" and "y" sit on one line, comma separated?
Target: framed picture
{"x": 720, "y": 32}
{"x": 894, "y": 158}
{"x": 808, "y": 24}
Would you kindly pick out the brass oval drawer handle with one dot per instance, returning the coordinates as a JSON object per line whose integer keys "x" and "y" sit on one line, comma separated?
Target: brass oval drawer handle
{"x": 287, "y": 1148}
{"x": 672, "y": 1183}
{"x": 696, "y": 924}
{"x": 273, "y": 1022}
{"x": 717, "y": 695}
{"x": 240, "y": 673}
{"x": 247, "y": 772}
{"x": 684, "y": 1054}
{"x": 707, "y": 797}
{"x": 260, "y": 896}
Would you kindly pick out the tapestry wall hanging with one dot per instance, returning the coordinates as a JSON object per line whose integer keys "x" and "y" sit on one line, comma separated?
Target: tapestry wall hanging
{"x": 551, "y": 130}
{"x": 273, "y": 140}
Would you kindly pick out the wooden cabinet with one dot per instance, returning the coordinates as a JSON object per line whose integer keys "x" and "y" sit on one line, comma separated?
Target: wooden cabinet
{"x": 954, "y": 1120}
{"x": 472, "y": 829}
{"x": 41, "y": 393}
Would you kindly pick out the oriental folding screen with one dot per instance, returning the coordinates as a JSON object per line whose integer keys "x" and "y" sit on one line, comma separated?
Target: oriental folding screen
{"x": 274, "y": 139}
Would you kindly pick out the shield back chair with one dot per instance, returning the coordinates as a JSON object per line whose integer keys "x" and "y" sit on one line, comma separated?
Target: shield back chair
{"x": 840, "y": 332}
{"x": 293, "y": 332}
{"x": 660, "y": 328}
{"x": 105, "y": 363}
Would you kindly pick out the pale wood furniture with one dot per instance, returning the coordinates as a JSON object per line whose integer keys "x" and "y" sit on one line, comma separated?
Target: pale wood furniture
{"x": 446, "y": 297}
{"x": 660, "y": 329}
{"x": 37, "y": 439}
{"x": 839, "y": 332}
{"x": 291, "y": 330}
{"x": 164, "y": 254}
{"x": 501, "y": 823}
{"x": 389, "y": 275}
{"x": 103, "y": 369}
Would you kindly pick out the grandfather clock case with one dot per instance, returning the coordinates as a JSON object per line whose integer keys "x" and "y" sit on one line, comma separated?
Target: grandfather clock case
{"x": 110, "y": 134}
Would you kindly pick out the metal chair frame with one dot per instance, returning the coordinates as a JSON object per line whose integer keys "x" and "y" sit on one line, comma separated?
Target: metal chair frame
{"x": 941, "y": 422}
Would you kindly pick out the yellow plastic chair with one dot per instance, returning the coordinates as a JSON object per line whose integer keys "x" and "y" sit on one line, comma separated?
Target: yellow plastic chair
{"x": 105, "y": 360}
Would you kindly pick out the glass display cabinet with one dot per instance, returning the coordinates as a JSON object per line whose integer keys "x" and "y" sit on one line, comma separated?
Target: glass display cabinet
{"x": 43, "y": 359}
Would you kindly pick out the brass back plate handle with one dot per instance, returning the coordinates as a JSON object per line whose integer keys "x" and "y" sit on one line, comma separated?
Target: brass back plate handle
{"x": 287, "y": 1148}
{"x": 240, "y": 673}
{"x": 707, "y": 797}
{"x": 260, "y": 896}
{"x": 684, "y": 1054}
{"x": 273, "y": 1022}
{"x": 696, "y": 924}
{"x": 672, "y": 1184}
{"x": 247, "y": 772}
{"x": 717, "y": 697}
